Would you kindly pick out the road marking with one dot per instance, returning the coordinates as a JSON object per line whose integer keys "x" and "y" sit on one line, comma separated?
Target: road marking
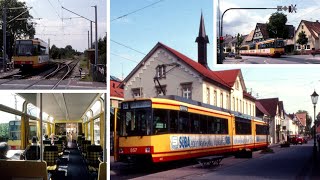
{"x": 265, "y": 61}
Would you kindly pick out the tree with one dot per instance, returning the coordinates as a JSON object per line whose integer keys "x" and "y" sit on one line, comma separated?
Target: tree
{"x": 238, "y": 43}
{"x": 276, "y": 26}
{"x": 302, "y": 39}
{"x": 16, "y": 29}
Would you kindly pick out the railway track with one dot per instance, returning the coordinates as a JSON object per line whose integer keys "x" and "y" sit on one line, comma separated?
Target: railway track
{"x": 60, "y": 73}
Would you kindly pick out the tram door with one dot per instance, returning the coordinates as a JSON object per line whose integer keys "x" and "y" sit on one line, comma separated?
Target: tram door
{"x": 72, "y": 131}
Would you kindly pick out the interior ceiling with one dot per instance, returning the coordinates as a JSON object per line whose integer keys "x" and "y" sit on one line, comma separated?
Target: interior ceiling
{"x": 63, "y": 106}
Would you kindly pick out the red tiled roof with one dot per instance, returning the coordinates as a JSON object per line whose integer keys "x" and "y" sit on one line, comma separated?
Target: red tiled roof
{"x": 263, "y": 30}
{"x": 302, "y": 118}
{"x": 228, "y": 76}
{"x": 198, "y": 67}
{"x": 270, "y": 105}
{"x": 314, "y": 27}
{"x": 115, "y": 91}
{"x": 261, "y": 108}
{"x": 249, "y": 96}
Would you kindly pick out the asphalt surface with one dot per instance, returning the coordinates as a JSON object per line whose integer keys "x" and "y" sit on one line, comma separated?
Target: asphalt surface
{"x": 285, "y": 59}
{"x": 294, "y": 162}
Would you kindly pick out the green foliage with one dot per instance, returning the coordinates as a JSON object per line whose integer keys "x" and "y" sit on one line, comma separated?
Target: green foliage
{"x": 4, "y": 131}
{"x": 16, "y": 29}
{"x": 302, "y": 38}
{"x": 67, "y": 52}
{"x": 238, "y": 43}
{"x": 276, "y": 26}
{"x": 102, "y": 50}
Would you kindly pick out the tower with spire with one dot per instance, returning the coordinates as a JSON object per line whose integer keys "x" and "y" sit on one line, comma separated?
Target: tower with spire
{"x": 202, "y": 41}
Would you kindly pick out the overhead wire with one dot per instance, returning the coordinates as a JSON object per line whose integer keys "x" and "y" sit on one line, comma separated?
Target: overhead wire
{"x": 132, "y": 12}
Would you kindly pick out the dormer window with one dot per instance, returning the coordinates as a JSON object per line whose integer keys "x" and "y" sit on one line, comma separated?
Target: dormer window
{"x": 161, "y": 71}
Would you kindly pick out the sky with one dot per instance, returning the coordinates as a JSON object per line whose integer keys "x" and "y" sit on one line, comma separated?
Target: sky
{"x": 244, "y": 21}
{"x": 174, "y": 23}
{"x": 63, "y": 32}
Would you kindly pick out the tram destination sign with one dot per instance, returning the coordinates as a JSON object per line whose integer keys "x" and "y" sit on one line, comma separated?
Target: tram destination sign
{"x": 136, "y": 104}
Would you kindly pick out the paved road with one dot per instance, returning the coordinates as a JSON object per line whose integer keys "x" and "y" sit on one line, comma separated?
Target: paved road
{"x": 285, "y": 163}
{"x": 287, "y": 59}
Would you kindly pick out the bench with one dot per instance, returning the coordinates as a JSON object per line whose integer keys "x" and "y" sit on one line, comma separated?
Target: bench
{"x": 17, "y": 169}
{"x": 210, "y": 161}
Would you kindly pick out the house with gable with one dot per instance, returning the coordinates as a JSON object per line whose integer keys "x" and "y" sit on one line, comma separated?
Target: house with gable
{"x": 165, "y": 71}
{"x": 312, "y": 31}
{"x": 271, "y": 110}
{"x": 302, "y": 118}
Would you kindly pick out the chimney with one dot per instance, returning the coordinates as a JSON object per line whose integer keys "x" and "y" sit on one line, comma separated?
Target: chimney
{"x": 202, "y": 41}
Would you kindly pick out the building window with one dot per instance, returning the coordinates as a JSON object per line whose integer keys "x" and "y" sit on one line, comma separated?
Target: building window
{"x": 136, "y": 92}
{"x": 237, "y": 105}
{"x": 221, "y": 100}
{"x": 307, "y": 46}
{"x": 228, "y": 102}
{"x": 215, "y": 98}
{"x": 161, "y": 71}
{"x": 234, "y": 104}
{"x": 240, "y": 106}
{"x": 301, "y": 26}
{"x": 186, "y": 90}
{"x": 208, "y": 95}
{"x": 159, "y": 92}
{"x": 249, "y": 109}
{"x": 246, "y": 107}
{"x": 237, "y": 85}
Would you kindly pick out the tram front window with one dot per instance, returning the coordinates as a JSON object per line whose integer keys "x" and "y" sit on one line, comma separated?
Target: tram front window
{"x": 279, "y": 44}
{"x": 136, "y": 122}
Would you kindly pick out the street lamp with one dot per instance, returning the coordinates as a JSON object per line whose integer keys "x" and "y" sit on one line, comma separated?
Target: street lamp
{"x": 314, "y": 99}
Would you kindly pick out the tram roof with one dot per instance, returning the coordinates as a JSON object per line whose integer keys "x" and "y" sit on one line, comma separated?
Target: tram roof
{"x": 63, "y": 106}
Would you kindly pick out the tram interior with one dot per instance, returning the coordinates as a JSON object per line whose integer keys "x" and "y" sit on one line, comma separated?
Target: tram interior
{"x": 71, "y": 135}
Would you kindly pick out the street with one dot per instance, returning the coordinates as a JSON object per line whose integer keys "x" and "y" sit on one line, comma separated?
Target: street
{"x": 284, "y": 163}
{"x": 285, "y": 59}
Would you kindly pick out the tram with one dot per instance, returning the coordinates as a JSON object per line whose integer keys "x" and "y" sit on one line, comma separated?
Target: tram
{"x": 173, "y": 128}
{"x": 69, "y": 128}
{"x": 269, "y": 47}
{"x": 30, "y": 54}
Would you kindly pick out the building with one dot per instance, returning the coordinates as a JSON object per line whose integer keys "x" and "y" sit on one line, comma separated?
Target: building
{"x": 302, "y": 118}
{"x": 272, "y": 111}
{"x": 165, "y": 71}
{"x": 294, "y": 126}
{"x": 312, "y": 31}
{"x": 116, "y": 97}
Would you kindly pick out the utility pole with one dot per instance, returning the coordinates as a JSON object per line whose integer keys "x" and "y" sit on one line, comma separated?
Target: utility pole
{"x": 91, "y": 34}
{"x": 96, "y": 44}
{"x": 4, "y": 30}
{"x": 88, "y": 40}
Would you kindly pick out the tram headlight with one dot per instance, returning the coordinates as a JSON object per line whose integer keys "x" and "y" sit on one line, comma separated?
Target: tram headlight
{"x": 147, "y": 149}
{"x": 120, "y": 150}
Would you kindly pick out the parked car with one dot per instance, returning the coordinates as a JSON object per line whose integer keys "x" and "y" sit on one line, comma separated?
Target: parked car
{"x": 296, "y": 139}
{"x": 315, "y": 51}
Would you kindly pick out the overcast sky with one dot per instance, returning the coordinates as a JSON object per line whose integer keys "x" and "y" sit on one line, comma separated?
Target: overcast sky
{"x": 64, "y": 32}
{"x": 243, "y": 21}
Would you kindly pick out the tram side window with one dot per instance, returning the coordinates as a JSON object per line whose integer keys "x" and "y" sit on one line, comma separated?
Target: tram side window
{"x": 217, "y": 125}
{"x": 203, "y": 124}
{"x": 183, "y": 122}
{"x": 261, "y": 129}
{"x": 173, "y": 121}
{"x": 160, "y": 121}
{"x": 195, "y": 123}
{"x": 243, "y": 127}
{"x": 14, "y": 129}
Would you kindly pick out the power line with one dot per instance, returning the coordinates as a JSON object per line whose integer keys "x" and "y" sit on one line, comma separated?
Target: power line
{"x": 123, "y": 57}
{"x": 136, "y": 10}
{"x": 54, "y": 9}
{"x": 128, "y": 47}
